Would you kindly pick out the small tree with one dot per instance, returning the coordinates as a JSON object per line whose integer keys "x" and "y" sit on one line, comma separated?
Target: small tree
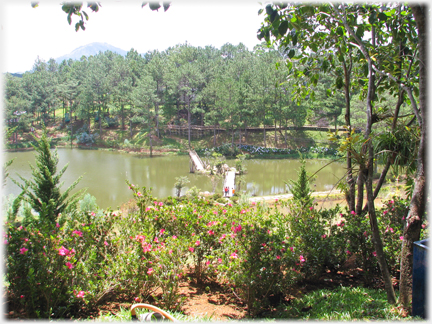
{"x": 300, "y": 189}
{"x": 43, "y": 190}
{"x": 180, "y": 184}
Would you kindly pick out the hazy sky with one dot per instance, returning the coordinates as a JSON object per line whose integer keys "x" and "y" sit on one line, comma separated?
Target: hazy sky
{"x": 28, "y": 32}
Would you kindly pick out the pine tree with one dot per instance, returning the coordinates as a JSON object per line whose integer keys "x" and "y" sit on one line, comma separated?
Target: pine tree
{"x": 301, "y": 188}
{"x": 42, "y": 191}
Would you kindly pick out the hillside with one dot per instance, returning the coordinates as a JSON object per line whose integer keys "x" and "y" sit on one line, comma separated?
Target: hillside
{"x": 90, "y": 49}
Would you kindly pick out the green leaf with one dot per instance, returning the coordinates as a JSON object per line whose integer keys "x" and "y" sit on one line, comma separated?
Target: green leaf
{"x": 283, "y": 27}
{"x": 260, "y": 11}
{"x": 154, "y": 6}
{"x": 269, "y": 10}
{"x": 314, "y": 47}
{"x": 144, "y": 4}
{"x": 382, "y": 16}
{"x": 93, "y": 6}
{"x": 372, "y": 17}
{"x": 291, "y": 53}
{"x": 294, "y": 39}
{"x": 34, "y": 4}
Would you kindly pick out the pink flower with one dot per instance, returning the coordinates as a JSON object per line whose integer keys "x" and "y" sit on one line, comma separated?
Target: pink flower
{"x": 69, "y": 265}
{"x": 146, "y": 247}
{"x": 276, "y": 200}
{"x": 292, "y": 248}
{"x": 365, "y": 234}
{"x": 324, "y": 236}
{"x": 23, "y": 250}
{"x": 310, "y": 208}
{"x": 278, "y": 257}
{"x": 160, "y": 204}
{"x": 106, "y": 243}
{"x": 197, "y": 243}
{"x": 93, "y": 214}
{"x": 230, "y": 204}
{"x": 137, "y": 299}
{"x": 401, "y": 238}
{"x": 215, "y": 212}
{"x": 385, "y": 212}
{"x": 191, "y": 249}
{"x": 242, "y": 211}
{"x": 207, "y": 263}
{"x": 174, "y": 237}
{"x": 147, "y": 209}
{"x": 150, "y": 271}
{"x": 233, "y": 256}
{"x": 224, "y": 211}
{"x": 302, "y": 259}
{"x": 211, "y": 232}
{"x": 162, "y": 231}
{"x": 374, "y": 253}
{"x": 253, "y": 203}
{"x": 63, "y": 251}
{"x": 237, "y": 229}
{"x": 79, "y": 233}
{"x": 22, "y": 296}
{"x": 57, "y": 225}
{"x": 353, "y": 212}
{"x": 156, "y": 240}
{"x": 348, "y": 252}
{"x": 139, "y": 194}
{"x": 170, "y": 251}
{"x": 220, "y": 260}
{"x": 81, "y": 294}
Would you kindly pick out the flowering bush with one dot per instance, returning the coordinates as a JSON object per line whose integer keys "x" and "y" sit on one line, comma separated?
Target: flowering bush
{"x": 254, "y": 248}
{"x": 228, "y": 150}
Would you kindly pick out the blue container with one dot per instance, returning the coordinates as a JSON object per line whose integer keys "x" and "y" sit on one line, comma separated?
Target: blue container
{"x": 420, "y": 269}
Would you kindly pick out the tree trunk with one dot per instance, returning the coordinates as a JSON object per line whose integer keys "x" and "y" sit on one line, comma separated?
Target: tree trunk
{"x": 417, "y": 207}
{"x": 157, "y": 119}
{"x": 391, "y": 297}
{"x": 214, "y": 136}
{"x": 189, "y": 124}
{"x": 122, "y": 117}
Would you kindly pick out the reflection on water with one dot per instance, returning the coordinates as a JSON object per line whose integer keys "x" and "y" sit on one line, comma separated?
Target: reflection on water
{"x": 104, "y": 174}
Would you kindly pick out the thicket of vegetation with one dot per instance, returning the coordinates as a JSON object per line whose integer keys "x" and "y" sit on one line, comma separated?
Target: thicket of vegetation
{"x": 231, "y": 88}
{"x": 64, "y": 266}
{"x": 374, "y": 51}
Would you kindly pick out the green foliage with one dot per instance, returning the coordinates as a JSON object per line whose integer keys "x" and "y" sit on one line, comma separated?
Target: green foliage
{"x": 302, "y": 194}
{"x": 255, "y": 249}
{"x": 43, "y": 190}
{"x": 342, "y": 304}
{"x": 180, "y": 184}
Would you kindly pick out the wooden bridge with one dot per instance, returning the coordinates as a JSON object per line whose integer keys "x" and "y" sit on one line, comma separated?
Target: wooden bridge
{"x": 195, "y": 163}
{"x": 229, "y": 182}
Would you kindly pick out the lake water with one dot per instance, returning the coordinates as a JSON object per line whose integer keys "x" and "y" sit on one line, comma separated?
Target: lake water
{"x": 104, "y": 174}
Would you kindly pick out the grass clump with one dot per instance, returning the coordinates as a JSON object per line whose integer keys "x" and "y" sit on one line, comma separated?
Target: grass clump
{"x": 343, "y": 304}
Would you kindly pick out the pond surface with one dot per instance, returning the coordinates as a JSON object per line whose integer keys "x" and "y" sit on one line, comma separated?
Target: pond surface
{"x": 104, "y": 174}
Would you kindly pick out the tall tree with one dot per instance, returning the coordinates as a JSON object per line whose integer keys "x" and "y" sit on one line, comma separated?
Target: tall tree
{"x": 43, "y": 190}
{"x": 310, "y": 25}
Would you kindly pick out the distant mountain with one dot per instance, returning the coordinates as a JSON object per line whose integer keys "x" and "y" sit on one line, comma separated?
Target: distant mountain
{"x": 90, "y": 49}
